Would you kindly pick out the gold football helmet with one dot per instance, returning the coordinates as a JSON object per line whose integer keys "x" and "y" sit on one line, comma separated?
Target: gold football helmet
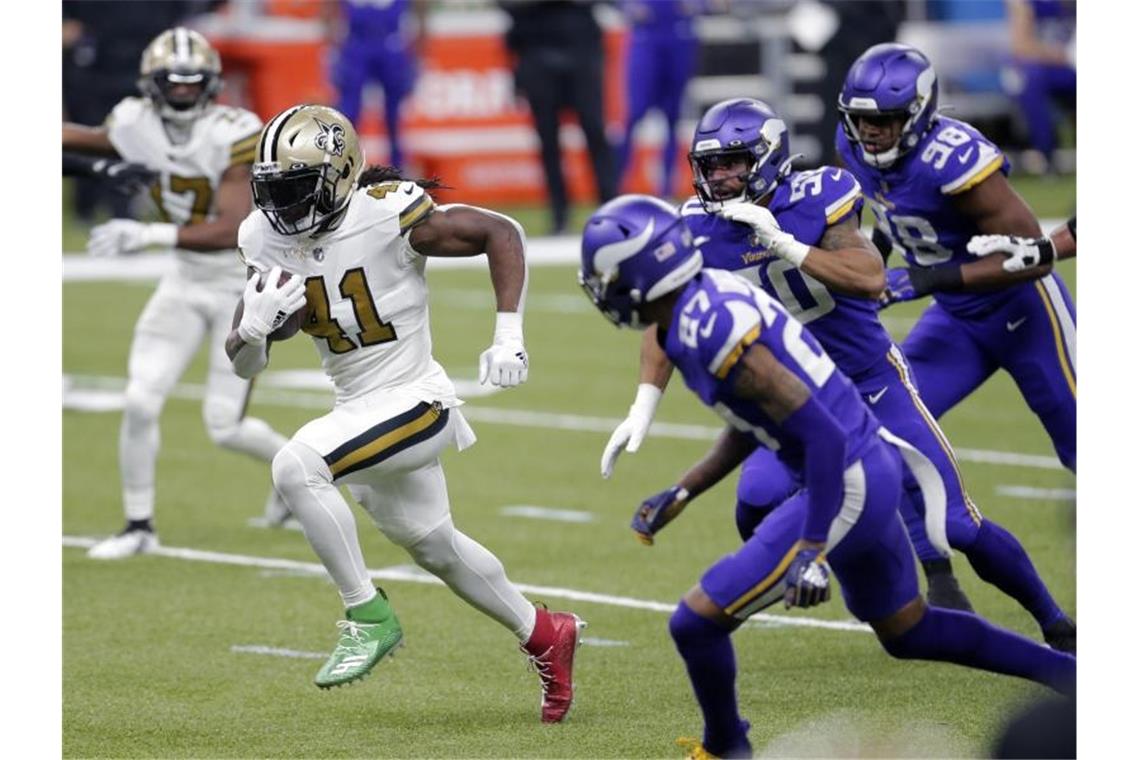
{"x": 180, "y": 73}
{"x": 307, "y": 165}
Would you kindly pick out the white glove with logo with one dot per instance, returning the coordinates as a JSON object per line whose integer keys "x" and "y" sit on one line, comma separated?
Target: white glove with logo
{"x": 1020, "y": 252}
{"x": 120, "y": 236}
{"x": 631, "y": 432}
{"x": 766, "y": 231}
{"x": 504, "y": 364}
{"x": 265, "y": 310}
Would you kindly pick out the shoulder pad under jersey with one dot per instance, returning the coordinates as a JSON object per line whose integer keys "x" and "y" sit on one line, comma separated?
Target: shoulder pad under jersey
{"x": 402, "y": 198}
{"x": 958, "y": 157}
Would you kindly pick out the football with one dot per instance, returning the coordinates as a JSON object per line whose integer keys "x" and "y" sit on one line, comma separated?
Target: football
{"x": 292, "y": 325}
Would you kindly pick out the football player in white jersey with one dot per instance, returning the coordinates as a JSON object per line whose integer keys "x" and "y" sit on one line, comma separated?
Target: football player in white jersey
{"x": 356, "y": 244}
{"x": 202, "y": 152}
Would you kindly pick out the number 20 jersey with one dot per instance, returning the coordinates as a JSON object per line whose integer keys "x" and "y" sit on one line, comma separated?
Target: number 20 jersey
{"x": 718, "y": 317}
{"x": 190, "y": 172}
{"x": 805, "y": 204}
{"x": 365, "y": 290}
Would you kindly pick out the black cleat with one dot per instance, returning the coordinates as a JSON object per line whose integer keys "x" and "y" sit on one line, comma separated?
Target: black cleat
{"x": 942, "y": 590}
{"x": 1062, "y": 635}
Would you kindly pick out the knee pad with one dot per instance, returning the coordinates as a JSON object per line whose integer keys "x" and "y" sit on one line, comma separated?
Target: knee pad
{"x": 222, "y": 419}
{"x": 297, "y": 466}
{"x": 688, "y": 628}
{"x": 435, "y": 552}
{"x": 141, "y": 404}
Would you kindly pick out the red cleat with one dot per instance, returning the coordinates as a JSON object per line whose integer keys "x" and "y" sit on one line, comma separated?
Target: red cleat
{"x": 550, "y": 651}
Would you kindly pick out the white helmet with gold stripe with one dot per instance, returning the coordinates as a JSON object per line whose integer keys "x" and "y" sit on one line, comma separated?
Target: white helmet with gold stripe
{"x": 307, "y": 165}
{"x": 181, "y": 73}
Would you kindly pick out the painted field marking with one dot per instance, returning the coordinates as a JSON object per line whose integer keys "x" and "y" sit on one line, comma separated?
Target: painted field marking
{"x": 1037, "y": 494}
{"x": 547, "y": 513}
{"x": 404, "y": 574}
{"x": 514, "y": 417}
{"x": 590, "y": 641}
{"x": 278, "y": 652}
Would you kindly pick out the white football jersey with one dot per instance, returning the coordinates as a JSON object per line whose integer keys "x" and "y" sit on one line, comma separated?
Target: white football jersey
{"x": 190, "y": 171}
{"x": 365, "y": 290}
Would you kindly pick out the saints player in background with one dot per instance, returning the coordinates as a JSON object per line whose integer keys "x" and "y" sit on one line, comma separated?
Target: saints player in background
{"x": 202, "y": 151}
{"x": 356, "y": 243}
{"x": 773, "y": 384}
{"x": 796, "y": 234}
{"x": 934, "y": 183}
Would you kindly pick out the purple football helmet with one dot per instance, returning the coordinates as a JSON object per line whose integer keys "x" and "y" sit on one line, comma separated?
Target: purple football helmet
{"x": 890, "y": 80}
{"x": 635, "y": 249}
{"x": 732, "y": 131}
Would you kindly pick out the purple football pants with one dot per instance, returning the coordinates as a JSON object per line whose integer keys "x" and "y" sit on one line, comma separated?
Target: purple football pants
{"x": 385, "y": 61}
{"x": 657, "y": 69}
{"x": 1032, "y": 336}
{"x": 872, "y": 560}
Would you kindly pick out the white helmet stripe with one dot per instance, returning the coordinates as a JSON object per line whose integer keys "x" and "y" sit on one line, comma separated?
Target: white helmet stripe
{"x": 609, "y": 256}
{"x": 269, "y": 135}
{"x": 181, "y": 45}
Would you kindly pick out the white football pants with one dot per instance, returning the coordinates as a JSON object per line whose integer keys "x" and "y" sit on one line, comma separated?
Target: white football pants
{"x": 178, "y": 317}
{"x": 387, "y": 453}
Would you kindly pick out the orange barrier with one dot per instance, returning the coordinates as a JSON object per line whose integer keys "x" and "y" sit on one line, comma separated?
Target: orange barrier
{"x": 463, "y": 122}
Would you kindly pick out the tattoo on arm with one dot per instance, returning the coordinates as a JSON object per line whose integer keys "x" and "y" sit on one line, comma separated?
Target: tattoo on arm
{"x": 846, "y": 234}
{"x": 775, "y": 388}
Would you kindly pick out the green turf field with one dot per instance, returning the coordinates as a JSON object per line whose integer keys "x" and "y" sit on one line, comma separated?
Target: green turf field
{"x": 161, "y": 657}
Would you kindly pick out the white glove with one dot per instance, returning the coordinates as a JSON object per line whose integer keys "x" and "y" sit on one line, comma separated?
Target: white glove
{"x": 631, "y": 432}
{"x": 766, "y": 231}
{"x": 126, "y": 236}
{"x": 1021, "y": 253}
{"x": 266, "y": 310}
{"x": 505, "y": 364}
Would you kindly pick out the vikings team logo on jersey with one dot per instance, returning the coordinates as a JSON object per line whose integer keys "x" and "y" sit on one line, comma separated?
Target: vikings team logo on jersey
{"x": 331, "y": 138}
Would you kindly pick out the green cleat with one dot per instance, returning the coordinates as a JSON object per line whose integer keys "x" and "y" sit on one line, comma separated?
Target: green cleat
{"x": 360, "y": 647}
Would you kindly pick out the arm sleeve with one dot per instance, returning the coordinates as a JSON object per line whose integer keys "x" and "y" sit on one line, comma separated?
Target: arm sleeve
{"x": 825, "y": 449}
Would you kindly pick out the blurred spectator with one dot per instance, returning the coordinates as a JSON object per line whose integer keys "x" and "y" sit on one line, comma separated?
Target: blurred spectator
{"x": 660, "y": 60}
{"x": 1043, "y": 42}
{"x": 376, "y": 41}
{"x": 557, "y": 46}
{"x": 854, "y": 28}
{"x": 102, "y": 46}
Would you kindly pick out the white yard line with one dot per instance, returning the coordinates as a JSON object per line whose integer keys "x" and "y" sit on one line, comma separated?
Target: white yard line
{"x": 278, "y": 652}
{"x": 407, "y": 575}
{"x": 547, "y": 513}
{"x": 1037, "y": 494}
{"x": 88, "y": 393}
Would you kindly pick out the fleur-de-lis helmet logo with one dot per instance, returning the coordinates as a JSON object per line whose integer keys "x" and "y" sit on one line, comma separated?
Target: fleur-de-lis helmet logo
{"x": 331, "y": 138}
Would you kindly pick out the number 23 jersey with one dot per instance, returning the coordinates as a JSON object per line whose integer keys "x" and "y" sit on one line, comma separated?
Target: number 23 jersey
{"x": 805, "y": 204}
{"x": 365, "y": 291}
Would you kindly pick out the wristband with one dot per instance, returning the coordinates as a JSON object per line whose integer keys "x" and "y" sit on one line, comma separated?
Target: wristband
{"x": 646, "y": 401}
{"x": 935, "y": 279}
{"x": 165, "y": 235}
{"x": 249, "y": 338}
{"x": 508, "y": 327}
{"x": 790, "y": 249}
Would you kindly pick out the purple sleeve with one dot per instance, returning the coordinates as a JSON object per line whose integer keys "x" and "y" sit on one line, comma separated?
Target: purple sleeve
{"x": 825, "y": 450}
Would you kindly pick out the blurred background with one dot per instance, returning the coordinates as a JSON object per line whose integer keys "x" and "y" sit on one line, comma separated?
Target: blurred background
{"x": 457, "y": 81}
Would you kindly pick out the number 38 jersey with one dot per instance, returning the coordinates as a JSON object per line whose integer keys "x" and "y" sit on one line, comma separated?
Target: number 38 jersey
{"x": 190, "y": 171}
{"x": 912, "y": 201}
{"x": 365, "y": 291}
{"x": 718, "y": 317}
{"x": 806, "y": 204}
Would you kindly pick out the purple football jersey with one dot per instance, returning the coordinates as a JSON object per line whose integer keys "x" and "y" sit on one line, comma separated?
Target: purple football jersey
{"x": 805, "y": 204}
{"x": 718, "y": 317}
{"x": 911, "y": 201}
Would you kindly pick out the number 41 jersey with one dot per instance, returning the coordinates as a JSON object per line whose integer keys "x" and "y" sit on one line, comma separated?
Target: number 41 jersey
{"x": 190, "y": 170}
{"x": 365, "y": 291}
{"x": 805, "y": 204}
